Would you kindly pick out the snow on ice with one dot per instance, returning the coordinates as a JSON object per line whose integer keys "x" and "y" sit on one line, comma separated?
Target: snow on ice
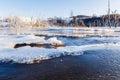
{"x": 31, "y": 55}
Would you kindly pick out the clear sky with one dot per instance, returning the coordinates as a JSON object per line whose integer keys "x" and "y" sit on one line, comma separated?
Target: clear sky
{"x": 60, "y": 8}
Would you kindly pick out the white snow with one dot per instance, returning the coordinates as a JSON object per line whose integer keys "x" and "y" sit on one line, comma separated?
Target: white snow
{"x": 25, "y": 54}
{"x": 9, "y": 41}
{"x": 31, "y": 55}
{"x": 64, "y": 31}
{"x": 54, "y": 41}
{"x": 76, "y": 31}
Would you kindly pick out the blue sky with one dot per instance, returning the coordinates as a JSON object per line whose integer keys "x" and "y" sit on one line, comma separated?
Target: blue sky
{"x": 51, "y": 8}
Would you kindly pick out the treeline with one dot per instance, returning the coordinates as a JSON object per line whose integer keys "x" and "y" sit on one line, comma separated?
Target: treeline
{"x": 112, "y": 20}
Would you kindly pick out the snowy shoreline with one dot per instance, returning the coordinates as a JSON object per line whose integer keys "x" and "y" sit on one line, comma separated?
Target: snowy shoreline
{"x": 30, "y": 55}
{"x": 63, "y": 31}
{"x": 27, "y": 54}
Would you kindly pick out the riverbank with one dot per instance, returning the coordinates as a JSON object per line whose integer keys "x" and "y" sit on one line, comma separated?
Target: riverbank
{"x": 63, "y": 31}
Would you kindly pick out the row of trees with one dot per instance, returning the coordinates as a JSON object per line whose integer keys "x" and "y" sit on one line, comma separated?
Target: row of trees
{"x": 114, "y": 20}
{"x": 89, "y": 21}
{"x": 105, "y": 20}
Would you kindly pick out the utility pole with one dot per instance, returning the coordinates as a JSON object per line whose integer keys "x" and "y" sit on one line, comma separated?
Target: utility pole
{"x": 115, "y": 17}
{"x": 109, "y": 13}
{"x": 71, "y": 14}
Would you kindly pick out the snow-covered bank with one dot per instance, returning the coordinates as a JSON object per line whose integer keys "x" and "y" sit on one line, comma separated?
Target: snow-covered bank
{"x": 20, "y": 55}
{"x": 77, "y": 31}
{"x": 9, "y": 41}
{"x": 64, "y": 31}
{"x": 33, "y": 55}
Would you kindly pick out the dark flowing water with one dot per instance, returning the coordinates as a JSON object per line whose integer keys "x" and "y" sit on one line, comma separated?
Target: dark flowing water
{"x": 100, "y": 64}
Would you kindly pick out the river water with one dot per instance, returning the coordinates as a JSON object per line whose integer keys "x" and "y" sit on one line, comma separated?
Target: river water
{"x": 94, "y": 64}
